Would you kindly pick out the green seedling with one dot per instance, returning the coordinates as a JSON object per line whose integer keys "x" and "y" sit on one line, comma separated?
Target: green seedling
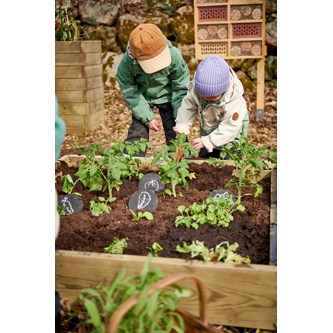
{"x": 99, "y": 208}
{"x": 103, "y": 169}
{"x": 154, "y": 249}
{"x": 249, "y": 161}
{"x": 138, "y": 216}
{"x": 153, "y": 312}
{"x": 68, "y": 184}
{"x": 117, "y": 246}
{"x": 222, "y": 252}
{"x": 211, "y": 211}
{"x": 175, "y": 170}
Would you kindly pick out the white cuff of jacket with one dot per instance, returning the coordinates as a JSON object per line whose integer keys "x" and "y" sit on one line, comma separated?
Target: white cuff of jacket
{"x": 207, "y": 143}
{"x": 182, "y": 128}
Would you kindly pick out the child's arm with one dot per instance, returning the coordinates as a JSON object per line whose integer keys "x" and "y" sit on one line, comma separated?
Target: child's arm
{"x": 133, "y": 97}
{"x": 187, "y": 114}
{"x": 229, "y": 127}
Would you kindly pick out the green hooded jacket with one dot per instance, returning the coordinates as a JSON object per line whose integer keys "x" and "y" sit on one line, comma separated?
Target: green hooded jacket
{"x": 139, "y": 88}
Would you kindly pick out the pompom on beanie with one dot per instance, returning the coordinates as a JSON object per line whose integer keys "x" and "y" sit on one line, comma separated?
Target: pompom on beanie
{"x": 212, "y": 76}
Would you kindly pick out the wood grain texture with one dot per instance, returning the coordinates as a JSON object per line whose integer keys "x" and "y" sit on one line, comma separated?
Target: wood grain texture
{"x": 237, "y": 295}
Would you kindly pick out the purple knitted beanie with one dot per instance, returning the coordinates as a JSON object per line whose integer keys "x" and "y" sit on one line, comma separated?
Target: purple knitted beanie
{"x": 212, "y": 76}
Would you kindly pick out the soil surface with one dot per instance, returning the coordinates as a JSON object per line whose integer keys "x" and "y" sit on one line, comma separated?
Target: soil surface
{"x": 250, "y": 229}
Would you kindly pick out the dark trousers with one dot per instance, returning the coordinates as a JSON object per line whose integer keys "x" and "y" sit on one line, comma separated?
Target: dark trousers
{"x": 138, "y": 130}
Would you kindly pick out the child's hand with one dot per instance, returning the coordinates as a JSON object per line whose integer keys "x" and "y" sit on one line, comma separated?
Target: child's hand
{"x": 154, "y": 125}
{"x": 197, "y": 144}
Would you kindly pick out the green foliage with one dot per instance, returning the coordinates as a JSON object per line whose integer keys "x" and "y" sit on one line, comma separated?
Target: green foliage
{"x": 98, "y": 208}
{"x": 222, "y": 252}
{"x": 117, "y": 246}
{"x": 153, "y": 312}
{"x": 68, "y": 184}
{"x": 103, "y": 169}
{"x": 67, "y": 28}
{"x": 137, "y": 216}
{"x": 212, "y": 211}
{"x": 175, "y": 170}
{"x": 249, "y": 161}
{"x": 155, "y": 248}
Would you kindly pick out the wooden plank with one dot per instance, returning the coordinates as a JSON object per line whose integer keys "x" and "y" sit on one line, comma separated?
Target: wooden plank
{"x": 71, "y": 96}
{"x": 94, "y": 94}
{"x": 91, "y": 46}
{"x": 66, "y": 59}
{"x": 96, "y": 106}
{"x": 67, "y": 47}
{"x": 94, "y": 82}
{"x": 261, "y": 84}
{"x": 78, "y": 72}
{"x": 96, "y": 118}
{"x": 81, "y": 108}
{"x": 79, "y": 84}
{"x": 73, "y": 120}
{"x": 73, "y": 109}
{"x": 68, "y": 72}
{"x": 238, "y": 295}
{"x": 70, "y": 84}
{"x": 93, "y": 70}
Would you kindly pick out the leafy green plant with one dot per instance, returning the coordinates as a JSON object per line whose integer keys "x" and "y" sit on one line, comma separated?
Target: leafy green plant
{"x": 103, "y": 169}
{"x": 249, "y": 161}
{"x": 99, "y": 208}
{"x": 137, "y": 216}
{"x": 152, "y": 313}
{"x": 155, "y": 248}
{"x": 67, "y": 27}
{"x": 68, "y": 184}
{"x": 211, "y": 211}
{"x": 222, "y": 252}
{"x": 175, "y": 170}
{"x": 117, "y": 246}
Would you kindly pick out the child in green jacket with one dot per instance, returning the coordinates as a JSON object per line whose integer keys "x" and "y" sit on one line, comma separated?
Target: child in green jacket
{"x": 152, "y": 73}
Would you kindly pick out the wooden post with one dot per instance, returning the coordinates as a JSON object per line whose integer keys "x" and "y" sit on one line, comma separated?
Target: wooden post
{"x": 260, "y": 88}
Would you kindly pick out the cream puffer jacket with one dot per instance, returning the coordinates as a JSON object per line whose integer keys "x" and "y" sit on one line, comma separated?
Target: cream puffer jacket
{"x": 221, "y": 122}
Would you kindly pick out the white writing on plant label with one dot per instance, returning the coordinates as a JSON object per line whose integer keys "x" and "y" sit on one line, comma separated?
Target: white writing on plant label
{"x": 152, "y": 185}
{"x": 67, "y": 204}
{"x": 144, "y": 200}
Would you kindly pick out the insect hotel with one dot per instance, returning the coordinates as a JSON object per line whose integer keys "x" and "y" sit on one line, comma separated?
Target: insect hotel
{"x": 233, "y": 30}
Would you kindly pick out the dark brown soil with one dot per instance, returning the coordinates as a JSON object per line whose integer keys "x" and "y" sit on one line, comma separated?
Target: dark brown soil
{"x": 250, "y": 229}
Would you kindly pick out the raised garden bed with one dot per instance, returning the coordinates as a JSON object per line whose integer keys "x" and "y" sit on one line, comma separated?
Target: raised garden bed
{"x": 238, "y": 295}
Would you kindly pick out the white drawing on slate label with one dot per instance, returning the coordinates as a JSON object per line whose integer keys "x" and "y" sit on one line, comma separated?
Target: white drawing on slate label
{"x": 152, "y": 184}
{"x": 67, "y": 204}
{"x": 144, "y": 200}
{"x": 218, "y": 196}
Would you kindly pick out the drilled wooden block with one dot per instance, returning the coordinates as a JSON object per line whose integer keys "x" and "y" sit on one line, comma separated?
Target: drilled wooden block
{"x": 218, "y": 13}
{"x": 246, "y": 30}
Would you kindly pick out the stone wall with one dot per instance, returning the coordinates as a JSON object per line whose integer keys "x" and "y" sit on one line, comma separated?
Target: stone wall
{"x": 111, "y": 21}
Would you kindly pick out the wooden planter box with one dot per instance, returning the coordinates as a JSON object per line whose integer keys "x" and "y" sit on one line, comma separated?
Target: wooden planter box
{"x": 79, "y": 84}
{"x": 237, "y": 295}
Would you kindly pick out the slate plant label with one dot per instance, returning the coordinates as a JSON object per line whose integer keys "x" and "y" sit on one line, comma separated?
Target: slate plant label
{"x": 71, "y": 202}
{"x": 143, "y": 200}
{"x": 151, "y": 182}
{"x": 220, "y": 193}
